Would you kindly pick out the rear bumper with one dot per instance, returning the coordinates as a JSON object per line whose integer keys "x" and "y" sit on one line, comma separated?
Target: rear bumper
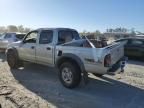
{"x": 100, "y": 69}
{"x": 118, "y": 66}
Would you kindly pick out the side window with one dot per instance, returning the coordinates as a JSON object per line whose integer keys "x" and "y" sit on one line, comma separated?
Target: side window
{"x": 64, "y": 36}
{"x": 31, "y": 37}
{"x": 137, "y": 42}
{"x": 7, "y": 36}
{"x": 46, "y": 37}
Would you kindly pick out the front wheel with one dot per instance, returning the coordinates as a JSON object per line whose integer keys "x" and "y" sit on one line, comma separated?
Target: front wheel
{"x": 69, "y": 75}
{"x": 13, "y": 60}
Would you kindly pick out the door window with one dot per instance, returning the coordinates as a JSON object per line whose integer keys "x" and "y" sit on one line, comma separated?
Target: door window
{"x": 31, "y": 37}
{"x": 137, "y": 42}
{"x": 67, "y": 36}
{"x": 46, "y": 37}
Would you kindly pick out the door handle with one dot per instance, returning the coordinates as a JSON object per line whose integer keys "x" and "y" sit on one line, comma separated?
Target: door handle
{"x": 32, "y": 47}
{"x": 48, "y": 48}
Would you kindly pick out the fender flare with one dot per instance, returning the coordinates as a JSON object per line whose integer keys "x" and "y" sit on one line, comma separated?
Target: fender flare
{"x": 12, "y": 49}
{"x": 77, "y": 60}
{"x": 73, "y": 57}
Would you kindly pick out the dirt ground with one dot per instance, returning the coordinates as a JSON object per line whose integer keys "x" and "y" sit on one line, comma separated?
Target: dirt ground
{"x": 36, "y": 86}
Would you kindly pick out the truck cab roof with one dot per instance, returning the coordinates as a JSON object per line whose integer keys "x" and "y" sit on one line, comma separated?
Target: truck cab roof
{"x": 55, "y": 29}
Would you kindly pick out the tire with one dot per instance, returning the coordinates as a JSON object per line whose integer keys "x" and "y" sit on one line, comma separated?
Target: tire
{"x": 13, "y": 61}
{"x": 97, "y": 75}
{"x": 69, "y": 74}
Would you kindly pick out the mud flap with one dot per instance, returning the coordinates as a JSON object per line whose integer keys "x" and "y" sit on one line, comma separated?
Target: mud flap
{"x": 120, "y": 65}
{"x": 85, "y": 77}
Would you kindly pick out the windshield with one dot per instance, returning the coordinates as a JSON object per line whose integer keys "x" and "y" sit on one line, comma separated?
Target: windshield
{"x": 2, "y": 35}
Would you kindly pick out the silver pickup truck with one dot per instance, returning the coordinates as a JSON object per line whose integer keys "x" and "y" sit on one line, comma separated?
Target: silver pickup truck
{"x": 64, "y": 49}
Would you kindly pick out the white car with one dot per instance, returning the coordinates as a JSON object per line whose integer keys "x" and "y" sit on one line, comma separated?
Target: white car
{"x": 8, "y": 38}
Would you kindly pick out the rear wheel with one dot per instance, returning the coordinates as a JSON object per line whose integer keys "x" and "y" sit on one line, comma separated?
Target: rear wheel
{"x": 70, "y": 75}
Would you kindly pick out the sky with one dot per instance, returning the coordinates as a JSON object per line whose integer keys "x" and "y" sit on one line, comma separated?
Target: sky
{"x": 89, "y": 15}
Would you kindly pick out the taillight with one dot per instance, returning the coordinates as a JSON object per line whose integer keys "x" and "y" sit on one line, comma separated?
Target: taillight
{"x": 107, "y": 60}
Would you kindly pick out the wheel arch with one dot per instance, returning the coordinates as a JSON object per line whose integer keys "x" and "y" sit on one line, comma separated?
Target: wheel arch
{"x": 12, "y": 49}
{"x": 70, "y": 58}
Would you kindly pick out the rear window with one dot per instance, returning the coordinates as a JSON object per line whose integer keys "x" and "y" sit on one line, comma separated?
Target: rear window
{"x": 20, "y": 36}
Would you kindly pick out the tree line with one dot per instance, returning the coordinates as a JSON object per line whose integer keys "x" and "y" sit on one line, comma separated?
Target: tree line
{"x": 94, "y": 34}
{"x": 13, "y": 28}
{"x": 122, "y": 30}
{"x": 22, "y": 29}
{"x": 118, "y": 30}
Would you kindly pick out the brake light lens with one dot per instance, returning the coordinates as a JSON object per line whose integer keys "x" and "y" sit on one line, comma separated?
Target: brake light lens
{"x": 107, "y": 60}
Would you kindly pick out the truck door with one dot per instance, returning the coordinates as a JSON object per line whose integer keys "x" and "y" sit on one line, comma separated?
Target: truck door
{"x": 28, "y": 47}
{"x": 45, "y": 48}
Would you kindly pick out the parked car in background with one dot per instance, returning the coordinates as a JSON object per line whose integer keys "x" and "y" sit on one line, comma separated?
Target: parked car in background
{"x": 134, "y": 47}
{"x": 8, "y": 38}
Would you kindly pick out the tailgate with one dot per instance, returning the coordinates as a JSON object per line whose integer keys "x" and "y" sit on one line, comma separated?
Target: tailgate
{"x": 116, "y": 51}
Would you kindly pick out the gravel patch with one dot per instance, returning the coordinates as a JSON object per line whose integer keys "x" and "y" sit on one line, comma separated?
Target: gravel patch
{"x": 36, "y": 86}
